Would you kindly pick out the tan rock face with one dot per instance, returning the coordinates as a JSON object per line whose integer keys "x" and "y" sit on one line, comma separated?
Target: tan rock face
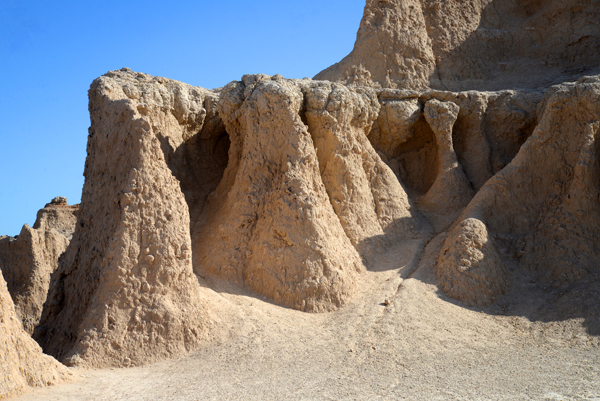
{"x": 125, "y": 292}
{"x": 392, "y": 45}
{"x": 310, "y": 182}
{"x": 57, "y": 215}
{"x": 369, "y": 200}
{"x": 302, "y": 199}
{"x": 270, "y": 224}
{"x": 28, "y": 260}
{"x": 296, "y": 199}
{"x": 447, "y": 146}
{"x": 22, "y": 363}
{"x": 486, "y": 134}
{"x": 469, "y": 266}
{"x": 543, "y": 205}
{"x": 473, "y": 44}
{"x": 451, "y": 191}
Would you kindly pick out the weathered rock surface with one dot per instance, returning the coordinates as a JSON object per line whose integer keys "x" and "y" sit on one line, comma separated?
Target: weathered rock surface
{"x": 57, "y": 215}
{"x": 469, "y": 266}
{"x": 369, "y": 200}
{"x": 300, "y": 199}
{"x": 297, "y": 206}
{"x": 296, "y": 197}
{"x": 292, "y": 187}
{"x": 439, "y": 121}
{"x": 543, "y": 206}
{"x": 125, "y": 293}
{"x": 487, "y": 134}
{"x": 451, "y": 191}
{"x": 447, "y": 146}
{"x": 473, "y": 44}
{"x": 392, "y": 45}
{"x": 28, "y": 260}
{"x": 22, "y": 363}
{"x": 272, "y": 226}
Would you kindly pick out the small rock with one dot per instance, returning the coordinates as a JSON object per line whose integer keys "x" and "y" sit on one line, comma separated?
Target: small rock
{"x": 59, "y": 200}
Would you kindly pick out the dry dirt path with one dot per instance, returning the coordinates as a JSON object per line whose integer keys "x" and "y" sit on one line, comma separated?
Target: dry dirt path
{"x": 421, "y": 346}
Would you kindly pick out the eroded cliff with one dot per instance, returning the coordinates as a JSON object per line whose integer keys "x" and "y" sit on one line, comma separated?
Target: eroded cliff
{"x": 293, "y": 189}
{"x": 472, "y": 45}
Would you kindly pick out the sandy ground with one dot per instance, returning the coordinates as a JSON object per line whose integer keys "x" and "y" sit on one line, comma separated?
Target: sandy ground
{"x": 422, "y": 346}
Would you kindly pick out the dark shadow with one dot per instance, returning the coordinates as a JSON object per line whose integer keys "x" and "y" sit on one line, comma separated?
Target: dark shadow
{"x": 517, "y": 44}
{"x": 394, "y": 249}
{"x": 509, "y": 121}
{"x": 488, "y": 133}
{"x": 224, "y": 286}
{"x": 199, "y": 163}
{"x": 418, "y": 159}
{"x": 530, "y": 297}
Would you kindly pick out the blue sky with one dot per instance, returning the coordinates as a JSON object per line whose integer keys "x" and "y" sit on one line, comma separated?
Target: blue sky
{"x": 50, "y": 52}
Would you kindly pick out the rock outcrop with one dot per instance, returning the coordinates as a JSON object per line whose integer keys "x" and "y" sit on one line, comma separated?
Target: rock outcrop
{"x": 473, "y": 44}
{"x": 469, "y": 265}
{"x": 292, "y": 188}
{"x": 57, "y": 215}
{"x": 451, "y": 191}
{"x": 298, "y": 200}
{"x": 22, "y": 363}
{"x": 543, "y": 207}
{"x": 125, "y": 292}
{"x": 532, "y": 187}
{"x": 293, "y": 209}
{"x": 28, "y": 260}
{"x": 272, "y": 226}
{"x": 370, "y": 201}
{"x": 485, "y": 135}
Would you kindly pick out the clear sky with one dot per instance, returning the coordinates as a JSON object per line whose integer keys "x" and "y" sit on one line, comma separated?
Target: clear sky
{"x": 51, "y": 51}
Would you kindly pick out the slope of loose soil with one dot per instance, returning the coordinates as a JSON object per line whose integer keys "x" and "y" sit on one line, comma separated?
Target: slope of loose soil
{"x": 422, "y": 346}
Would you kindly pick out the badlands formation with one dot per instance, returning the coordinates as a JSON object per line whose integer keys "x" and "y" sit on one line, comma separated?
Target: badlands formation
{"x": 448, "y": 166}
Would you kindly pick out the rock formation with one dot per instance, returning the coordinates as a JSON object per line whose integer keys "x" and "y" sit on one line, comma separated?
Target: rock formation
{"x": 57, "y": 215}
{"x": 472, "y": 44}
{"x": 369, "y": 200}
{"x": 124, "y": 292}
{"x": 444, "y": 146}
{"x": 28, "y": 260}
{"x": 543, "y": 206}
{"x": 315, "y": 182}
{"x": 296, "y": 206}
{"x": 22, "y": 363}
{"x": 295, "y": 197}
{"x": 451, "y": 191}
{"x": 292, "y": 188}
{"x": 469, "y": 265}
{"x": 528, "y": 154}
{"x": 272, "y": 225}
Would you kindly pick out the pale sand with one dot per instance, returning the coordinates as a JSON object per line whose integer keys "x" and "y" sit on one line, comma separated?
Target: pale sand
{"x": 421, "y": 346}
